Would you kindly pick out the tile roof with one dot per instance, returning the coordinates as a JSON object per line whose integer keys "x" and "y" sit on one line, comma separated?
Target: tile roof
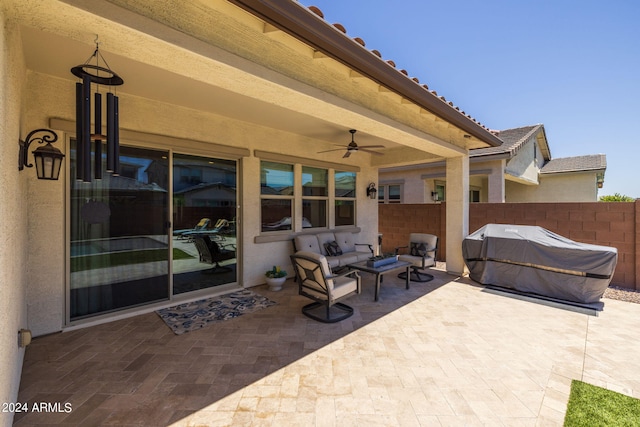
{"x": 575, "y": 164}
{"x": 391, "y": 63}
{"x": 513, "y": 140}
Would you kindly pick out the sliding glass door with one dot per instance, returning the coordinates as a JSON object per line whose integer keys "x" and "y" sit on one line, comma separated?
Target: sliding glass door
{"x": 204, "y": 223}
{"x": 119, "y": 248}
{"x": 120, "y": 241}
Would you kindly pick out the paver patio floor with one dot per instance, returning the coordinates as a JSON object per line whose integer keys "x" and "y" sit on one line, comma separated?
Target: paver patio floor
{"x": 445, "y": 353}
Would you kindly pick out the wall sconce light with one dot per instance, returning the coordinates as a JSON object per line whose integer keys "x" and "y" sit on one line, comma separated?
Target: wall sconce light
{"x": 434, "y": 196}
{"x": 600, "y": 180}
{"x": 48, "y": 158}
{"x": 371, "y": 191}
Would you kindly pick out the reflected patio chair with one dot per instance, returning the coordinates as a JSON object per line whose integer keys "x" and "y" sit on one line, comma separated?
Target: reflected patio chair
{"x": 212, "y": 252}
{"x": 315, "y": 281}
{"x": 216, "y": 232}
{"x": 201, "y": 225}
{"x": 283, "y": 224}
{"x": 421, "y": 254}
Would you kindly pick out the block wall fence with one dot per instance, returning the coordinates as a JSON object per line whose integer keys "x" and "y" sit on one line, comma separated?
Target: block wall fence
{"x": 613, "y": 224}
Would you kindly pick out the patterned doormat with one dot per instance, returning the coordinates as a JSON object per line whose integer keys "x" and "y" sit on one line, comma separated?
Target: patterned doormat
{"x": 194, "y": 315}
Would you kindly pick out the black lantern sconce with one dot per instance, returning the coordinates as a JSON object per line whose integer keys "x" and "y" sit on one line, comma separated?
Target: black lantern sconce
{"x": 371, "y": 191}
{"x": 434, "y": 196}
{"x": 48, "y": 158}
{"x": 98, "y": 75}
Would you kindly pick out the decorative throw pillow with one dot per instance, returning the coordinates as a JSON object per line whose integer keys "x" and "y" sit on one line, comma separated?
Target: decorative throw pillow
{"x": 418, "y": 249}
{"x": 332, "y": 248}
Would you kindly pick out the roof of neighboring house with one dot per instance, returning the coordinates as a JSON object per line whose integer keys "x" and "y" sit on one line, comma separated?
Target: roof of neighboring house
{"x": 576, "y": 164}
{"x": 206, "y": 186}
{"x": 124, "y": 183}
{"x": 513, "y": 140}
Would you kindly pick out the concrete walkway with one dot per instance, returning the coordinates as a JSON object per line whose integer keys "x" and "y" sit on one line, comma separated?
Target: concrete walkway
{"x": 444, "y": 353}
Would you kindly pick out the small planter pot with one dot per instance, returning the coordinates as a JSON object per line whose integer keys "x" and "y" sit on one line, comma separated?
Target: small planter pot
{"x": 275, "y": 283}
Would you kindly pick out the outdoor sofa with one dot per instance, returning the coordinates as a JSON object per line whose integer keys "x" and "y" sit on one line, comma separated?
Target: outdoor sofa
{"x": 339, "y": 247}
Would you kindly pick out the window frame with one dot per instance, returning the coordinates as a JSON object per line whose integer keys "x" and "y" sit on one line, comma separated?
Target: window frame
{"x": 337, "y": 199}
{"x": 315, "y": 198}
{"x": 472, "y": 191}
{"x": 298, "y": 198}
{"x": 384, "y": 192}
{"x": 440, "y": 187}
{"x": 278, "y": 197}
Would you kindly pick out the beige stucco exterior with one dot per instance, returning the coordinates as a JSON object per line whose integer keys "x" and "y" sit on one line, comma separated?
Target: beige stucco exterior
{"x": 564, "y": 187}
{"x": 201, "y": 78}
{"x": 13, "y": 205}
{"x": 515, "y": 174}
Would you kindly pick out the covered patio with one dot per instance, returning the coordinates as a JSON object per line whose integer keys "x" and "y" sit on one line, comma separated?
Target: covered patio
{"x": 445, "y": 352}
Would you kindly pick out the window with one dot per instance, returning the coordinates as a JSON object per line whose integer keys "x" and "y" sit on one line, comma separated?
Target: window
{"x": 315, "y": 194}
{"x": 287, "y": 187}
{"x": 345, "y": 198}
{"x": 276, "y": 190}
{"x": 390, "y": 193}
{"x": 441, "y": 191}
{"x": 189, "y": 175}
{"x": 474, "y": 195}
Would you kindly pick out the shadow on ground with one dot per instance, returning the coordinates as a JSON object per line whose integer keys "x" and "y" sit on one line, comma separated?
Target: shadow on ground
{"x": 136, "y": 371}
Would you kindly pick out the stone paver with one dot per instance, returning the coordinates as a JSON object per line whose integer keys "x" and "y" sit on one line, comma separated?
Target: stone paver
{"x": 444, "y": 353}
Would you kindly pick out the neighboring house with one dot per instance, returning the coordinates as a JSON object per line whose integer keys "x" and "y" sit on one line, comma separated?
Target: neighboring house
{"x": 520, "y": 170}
{"x": 264, "y": 88}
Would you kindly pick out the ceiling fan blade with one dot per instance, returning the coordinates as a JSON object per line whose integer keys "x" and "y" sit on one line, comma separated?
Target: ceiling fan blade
{"x": 335, "y": 149}
{"x": 370, "y": 146}
{"x": 347, "y": 154}
{"x": 371, "y": 151}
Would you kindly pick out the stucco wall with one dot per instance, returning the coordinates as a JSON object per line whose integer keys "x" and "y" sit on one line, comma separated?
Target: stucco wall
{"x": 567, "y": 187}
{"x": 419, "y": 182}
{"x": 414, "y": 188}
{"x": 55, "y": 97}
{"x": 45, "y": 266}
{"x": 524, "y": 165}
{"x": 13, "y": 216}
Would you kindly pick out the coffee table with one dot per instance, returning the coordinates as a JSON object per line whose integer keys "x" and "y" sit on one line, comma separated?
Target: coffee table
{"x": 380, "y": 271}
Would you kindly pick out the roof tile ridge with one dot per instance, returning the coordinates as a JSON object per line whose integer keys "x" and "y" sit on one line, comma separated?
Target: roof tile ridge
{"x": 519, "y": 143}
{"x": 520, "y": 127}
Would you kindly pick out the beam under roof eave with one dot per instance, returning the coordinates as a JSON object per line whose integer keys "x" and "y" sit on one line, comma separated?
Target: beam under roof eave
{"x": 300, "y": 23}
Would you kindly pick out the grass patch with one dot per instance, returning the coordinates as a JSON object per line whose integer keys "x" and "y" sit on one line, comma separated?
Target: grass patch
{"x": 595, "y": 406}
{"x": 113, "y": 259}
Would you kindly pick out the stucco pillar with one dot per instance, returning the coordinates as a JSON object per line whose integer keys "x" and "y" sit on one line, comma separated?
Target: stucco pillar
{"x": 13, "y": 214}
{"x": 496, "y": 183}
{"x": 457, "y": 212}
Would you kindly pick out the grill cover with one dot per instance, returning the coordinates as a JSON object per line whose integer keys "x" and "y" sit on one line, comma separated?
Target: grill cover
{"x": 534, "y": 260}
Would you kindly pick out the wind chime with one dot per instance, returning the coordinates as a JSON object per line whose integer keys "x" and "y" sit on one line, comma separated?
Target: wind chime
{"x": 101, "y": 76}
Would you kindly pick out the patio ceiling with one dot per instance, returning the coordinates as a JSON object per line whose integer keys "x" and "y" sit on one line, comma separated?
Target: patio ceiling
{"x": 55, "y": 55}
{"x": 187, "y": 64}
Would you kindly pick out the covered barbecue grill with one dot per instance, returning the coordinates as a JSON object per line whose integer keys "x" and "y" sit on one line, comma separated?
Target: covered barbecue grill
{"x": 531, "y": 259}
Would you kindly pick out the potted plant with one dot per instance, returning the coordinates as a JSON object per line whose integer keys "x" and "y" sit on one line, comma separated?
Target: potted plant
{"x": 275, "y": 278}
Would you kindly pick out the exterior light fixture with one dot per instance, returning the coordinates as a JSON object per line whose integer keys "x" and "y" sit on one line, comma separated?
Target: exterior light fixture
{"x": 48, "y": 158}
{"x": 371, "y": 191}
{"x": 434, "y": 196}
{"x": 24, "y": 337}
{"x": 100, "y": 76}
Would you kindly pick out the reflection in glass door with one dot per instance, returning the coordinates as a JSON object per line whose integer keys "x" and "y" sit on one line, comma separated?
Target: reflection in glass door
{"x": 204, "y": 223}
{"x": 119, "y": 249}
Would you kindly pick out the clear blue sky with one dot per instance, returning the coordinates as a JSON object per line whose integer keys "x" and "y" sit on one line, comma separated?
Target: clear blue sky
{"x": 572, "y": 66}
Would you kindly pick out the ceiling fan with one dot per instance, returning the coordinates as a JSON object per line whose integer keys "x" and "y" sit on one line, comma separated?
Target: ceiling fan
{"x": 355, "y": 147}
